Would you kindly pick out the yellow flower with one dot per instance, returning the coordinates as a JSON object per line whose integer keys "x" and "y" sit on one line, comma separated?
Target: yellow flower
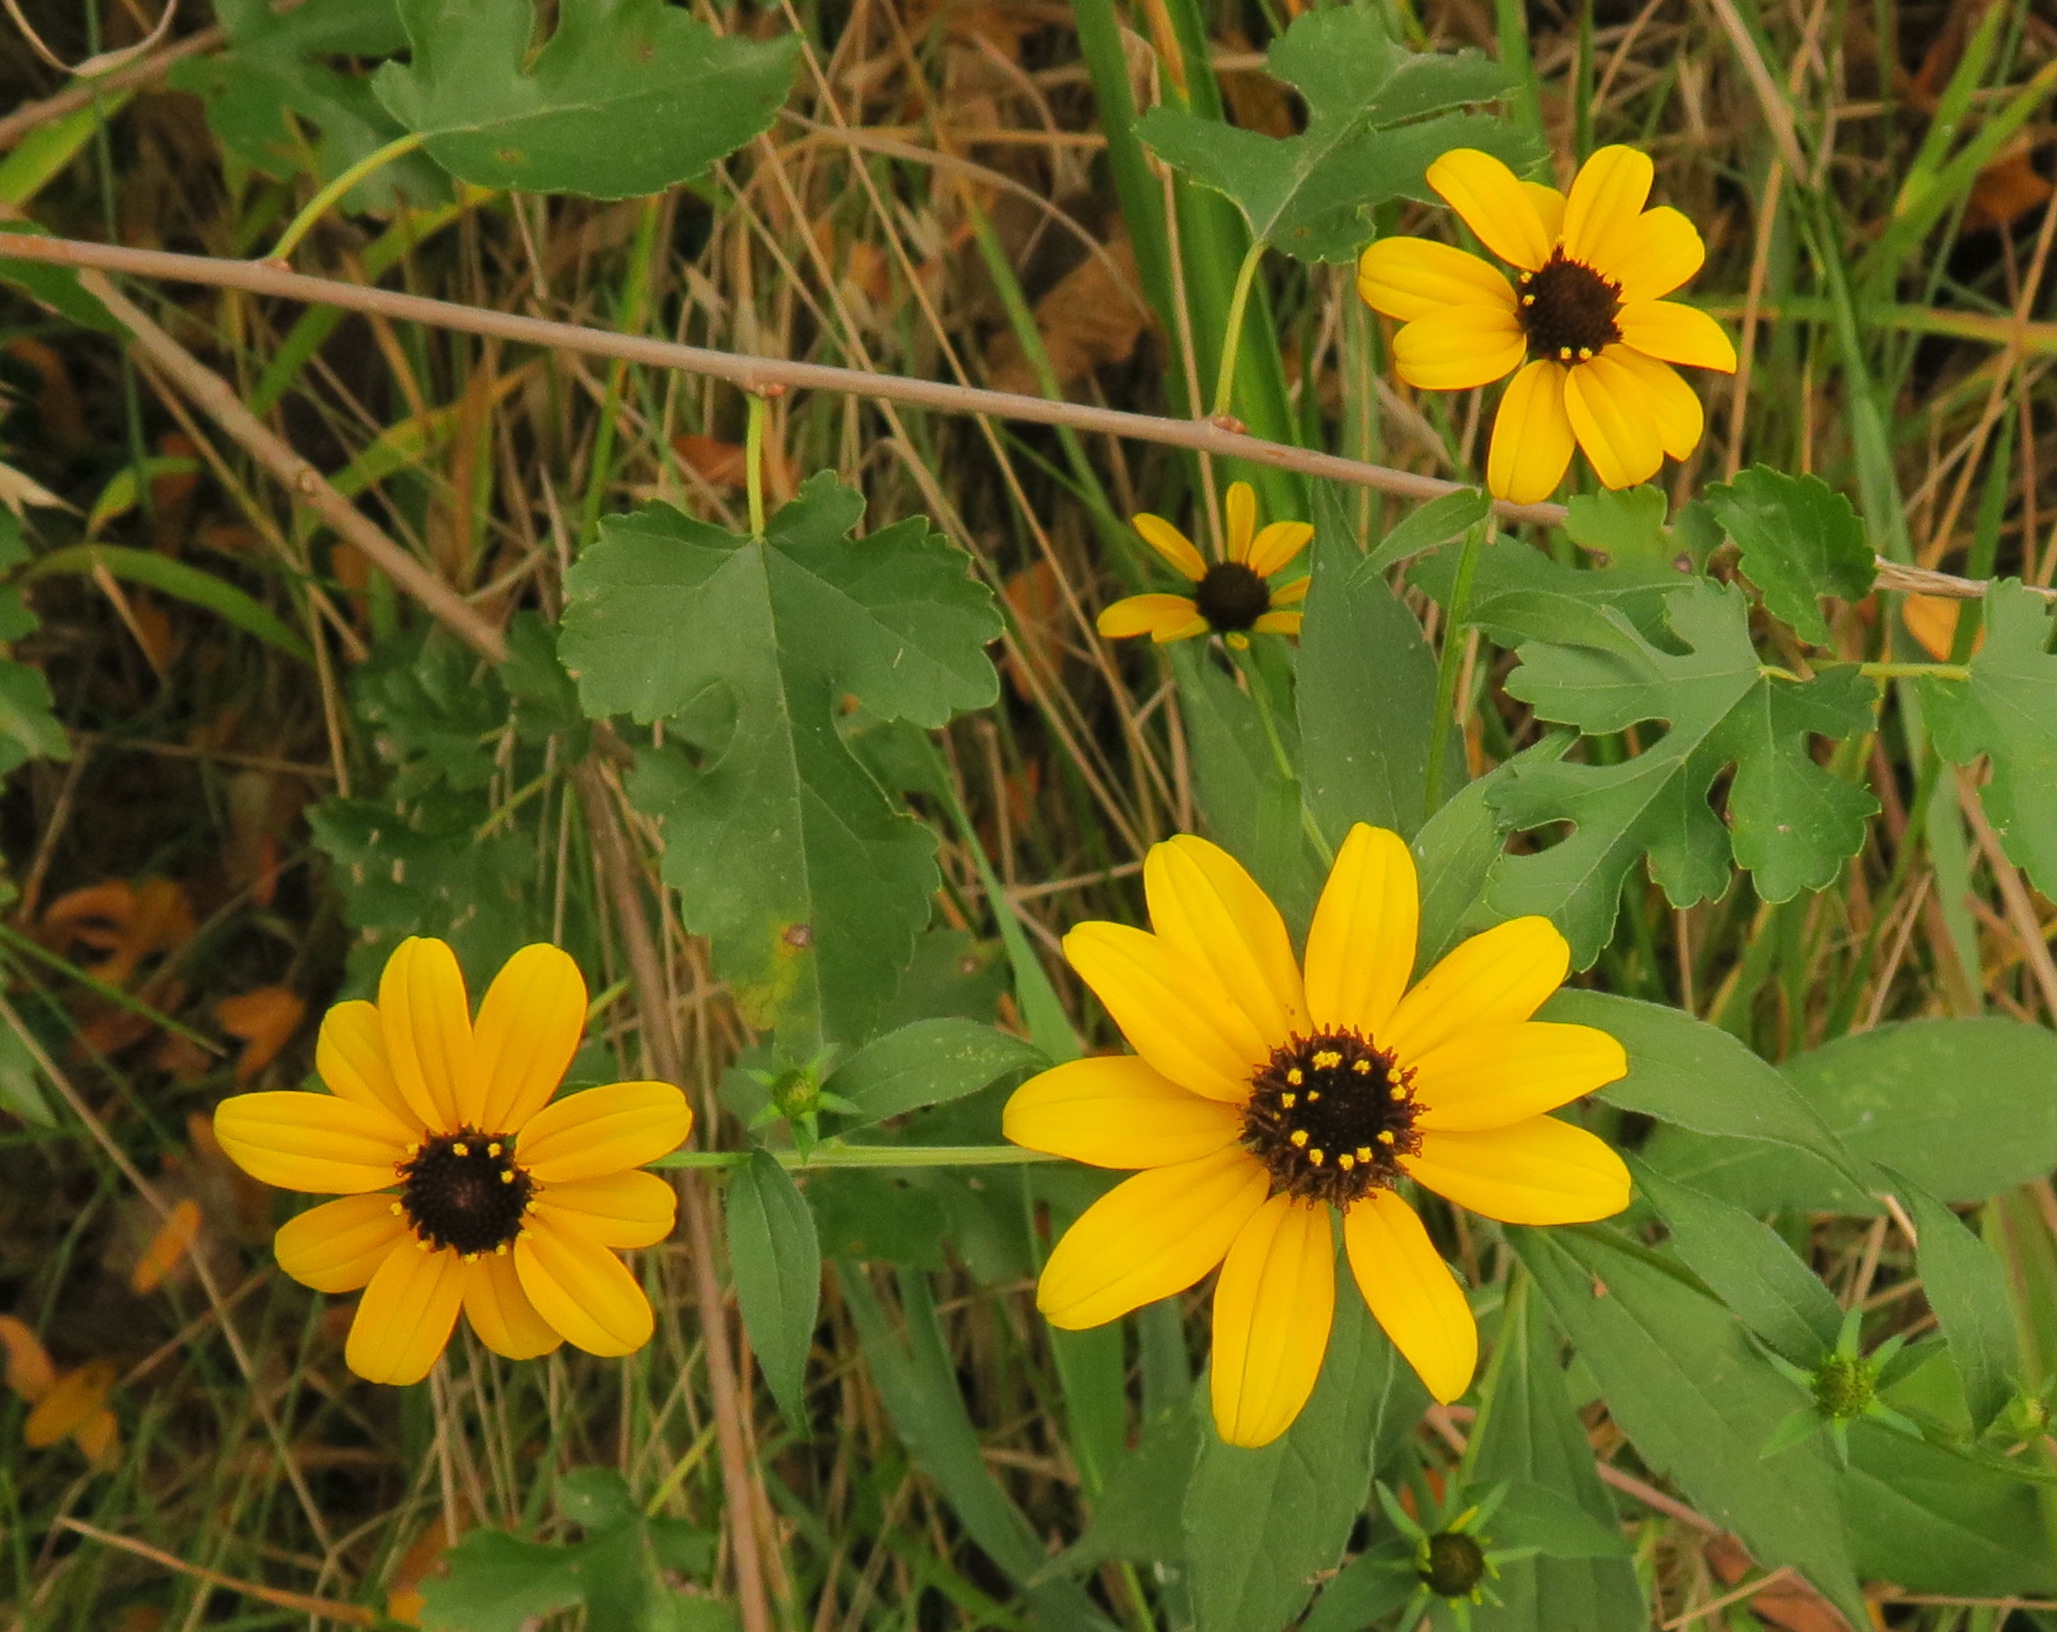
{"x": 1260, "y": 1100}
{"x": 462, "y": 1183}
{"x": 1230, "y": 597}
{"x": 1584, "y": 322}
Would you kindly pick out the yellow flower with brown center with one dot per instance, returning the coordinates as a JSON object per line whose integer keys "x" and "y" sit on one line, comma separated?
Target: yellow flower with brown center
{"x": 462, "y": 1183}
{"x": 1231, "y": 597}
{"x": 1263, "y": 1100}
{"x": 1584, "y": 321}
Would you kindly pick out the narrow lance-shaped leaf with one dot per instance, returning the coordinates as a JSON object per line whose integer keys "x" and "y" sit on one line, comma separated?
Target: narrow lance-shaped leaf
{"x": 776, "y": 1258}
{"x": 1967, "y": 1289}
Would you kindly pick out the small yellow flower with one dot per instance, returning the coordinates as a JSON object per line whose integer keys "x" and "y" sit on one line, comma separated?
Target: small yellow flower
{"x": 1230, "y": 597}
{"x": 463, "y": 1185}
{"x": 1584, "y": 321}
{"x": 1260, "y": 1101}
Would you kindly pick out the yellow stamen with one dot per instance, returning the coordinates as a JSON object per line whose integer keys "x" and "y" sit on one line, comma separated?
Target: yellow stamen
{"x": 494, "y": 1148}
{"x": 1296, "y": 1076}
{"x": 460, "y": 1149}
{"x": 1386, "y": 1138}
{"x": 1327, "y": 1059}
{"x": 1346, "y": 1161}
{"x": 1364, "y": 1153}
{"x": 1317, "y": 1157}
{"x": 1300, "y": 1136}
{"x": 506, "y": 1175}
{"x": 1362, "y": 1068}
{"x": 1289, "y": 1100}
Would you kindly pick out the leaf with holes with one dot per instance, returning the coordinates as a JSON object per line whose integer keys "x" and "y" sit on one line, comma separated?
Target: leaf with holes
{"x": 1790, "y": 822}
{"x": 1377, "y": 117}
{"x": 1800, "y": 541}
{"x": 809, "y": 880}
{"x": 627, "y": 96}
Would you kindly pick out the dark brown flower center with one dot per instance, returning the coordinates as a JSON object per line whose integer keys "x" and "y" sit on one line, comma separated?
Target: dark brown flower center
{"x": 1456, "y": 1565}
{"x": 1329, "y": 1116}
{"x": 1568, "y": 310}
{"x": 463, "y": 1191}
{"x": 1231, "y": 597}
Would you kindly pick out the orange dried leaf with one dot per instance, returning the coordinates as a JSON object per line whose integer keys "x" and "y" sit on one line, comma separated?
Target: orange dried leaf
{"x": 2005, "y": 190}
{"x": 167, "y": 1248}
{"x": 99, "y": 1436}
{"x": 404, "y": 1601}
{"x": 1036, "y": 600}
{"x": 29, "y": 1371}
{"x": 74, "y": 1398}
{"x": 723, "y": 464}
{"x": 128, "y": 922}
{"x": 1932, "y": 621}
{"x": 265, "y": 1020}
{"x": 1090, "y": 318}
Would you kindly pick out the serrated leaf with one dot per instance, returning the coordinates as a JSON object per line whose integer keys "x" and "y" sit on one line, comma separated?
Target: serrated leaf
{"x": 1519, "y": 593}
{"x": 926, "y": 1063}
{"x": 627, "y": 96}
{"x": 1376, "y": 120}
{"x": 494, "y": 1582}
{"x": 1800, "y": 541}
{"x": 786, "y": 853}
{"x": 1696, "y": 1398}
{"x": 2008, "y": 710}
{"x": 1790, "y": 822}
{"x": 776, "y": 1258}
{"x": 1621, "y": 524}
{"x": 1966, "y": 1286}
{"x": 1364, "y": 689}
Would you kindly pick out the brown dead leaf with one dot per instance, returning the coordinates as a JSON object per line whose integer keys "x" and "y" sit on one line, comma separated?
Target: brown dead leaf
{"x": 1035, "y": 599}
{"x": 172, "y": 493}
{"x": 2005, "y": 190}
{"x": 1092, "y": 316}
{"x": 724, "y": 464}
{"x": 71, "y": 1404}
{"x": 404, "y": 1601}
{"x": 126, "y": 922}
{"x": 1787, "y": 1602}
{"x": 167, "y": 1248}
{"x": 265, "y": 1020}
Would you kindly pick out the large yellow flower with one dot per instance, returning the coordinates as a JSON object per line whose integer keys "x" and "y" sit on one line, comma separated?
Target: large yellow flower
{"x": 1261, "y": 1101}
{"x": 462, "y": 1184}
{"x": 1230, "y": 597}
{"x": 1585, "y": 322}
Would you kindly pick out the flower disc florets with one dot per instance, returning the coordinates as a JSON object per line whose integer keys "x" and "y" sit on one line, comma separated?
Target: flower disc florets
{"x": 1568, "y": 310}
{"x": 1843, "y": 1386}
{"x": 463, "y": 1191}
{"x": 1231, "y": 597}
{"x": 1452, "y": 1564}
{"x": 1329, "y": 1116}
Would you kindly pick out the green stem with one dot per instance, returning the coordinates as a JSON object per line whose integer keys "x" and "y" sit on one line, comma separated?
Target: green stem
{"x": 318, "y": 206}
{"x": 1232, "y": 336}
{"x": 1910, "y": 671}
{"x": 1446, "y": 662}
{"x": 753, "y": 462}
{"x": 868, "y": 1156}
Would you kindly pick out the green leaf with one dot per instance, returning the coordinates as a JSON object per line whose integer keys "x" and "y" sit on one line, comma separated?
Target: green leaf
{"x": 1933, "y": 1522}
{"x": 1375, "y": 122}
{"x": 627, "y": 96}
{"x": 1457, "y": 852}
{"x": 1790, "y": 822}
{"x": 1749, "y": 1266}
{"x": 1696, "y": 1398}
{"x": 1922, "y": 1097}
{"x": 1139, "y": 1515}
{"x": 1800, "y": 541}
{"x": 1365, "y": 687}
{"x": 2008, "y": 709}
{"x": 1967, "y": 1288}
{"x": 1519, "y": 594}
{"x": 1430, "y": 527}
{"x": 926, "y": 1063}
{"x": 21, "y": 1081}
{"x": 1622, "y": 525}
{"x": 493, "y": 1582}
{"x": 1372, "y": 1584}
{"x": 880, "y": 1218}
{"x": 810, "y": 882}
{"x": 777, "y": 1263}
{"x": 28, "y": 729}
{"x": 173, "y": 577}
{"x": 1528, "y": 1431}
{"x": 1262, "y": 1524}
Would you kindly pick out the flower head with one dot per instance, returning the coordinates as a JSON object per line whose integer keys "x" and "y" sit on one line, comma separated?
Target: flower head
{"x": 463, "y": 1184}
{"x": 1263, "y": 1099}
{"x": 1231, "y": 597}
{"x": 1584, "y": 322}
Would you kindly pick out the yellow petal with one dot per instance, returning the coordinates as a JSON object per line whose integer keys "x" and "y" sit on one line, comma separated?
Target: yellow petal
{"x": 604, "y": 1130}
{"x": 405, "y": 1317}
{"x": 1291, "y": 594}
{"x": 426, "y": 1019}
{"x": 1675, "y": 405}
{"x": 1549, "y": 203}
{"x": 1494, "y": 204}
{"x": 1173, "y": 545}
{"x": 1360, "y": 947}
{"x": 1239, "y": 511}
{"x": 529, "y": 1027}
{"x": 338, "y": 1246}
{"x": 1660, "y": 250}
{"x": 1275, "y": 547}
{"x": 1612, "y": 416}
{"x": 500, "y": 1311}
{"x": 1273, "y": 1307}
{"x": 1163, "y": 618}
{"x": 581, "y": 1288}
{"x": 350, "y": 1056}
{"x": 1203, "y": 904}
{"x": 1541, "y": 1171}
{"x": 621, "y": 1210}
{"x": 303, "y": 1141}
{"x": 1171, "y": 1009}
{"x": 1411, "y": 1292}
{"x": 77, "y": 1396}
{"x": 1149, "y": 1237}
{"x": 1532, "y": 437}
{"x": 1676, "y": 334}
{"x": 1116, "y": 1110}
{"x": 1495, "y": 979}
{"x": 1607, "y": 196}
{"x": 1412, "y": 277}
{"x": 1495, "y": 1075}
{"x": 1459, "y": 347}
{"x": 1278, "y": 623}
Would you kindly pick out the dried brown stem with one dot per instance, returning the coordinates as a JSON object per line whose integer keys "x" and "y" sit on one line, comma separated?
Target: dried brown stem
{"x": 32, "y": 115}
